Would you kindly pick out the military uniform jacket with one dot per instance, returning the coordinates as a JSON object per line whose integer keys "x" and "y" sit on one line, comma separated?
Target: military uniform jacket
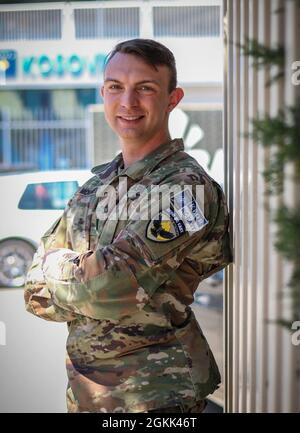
{"x": 134, "y": 343}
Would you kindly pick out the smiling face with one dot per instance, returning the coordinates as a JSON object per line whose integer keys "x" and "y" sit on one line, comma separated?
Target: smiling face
{"x": 137, "y": 101}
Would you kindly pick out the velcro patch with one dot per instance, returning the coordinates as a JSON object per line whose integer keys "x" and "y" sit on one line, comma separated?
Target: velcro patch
{"x": 183, "y": 215}
{"x": 165, "y": 227}
{"x": 189, "y": 211}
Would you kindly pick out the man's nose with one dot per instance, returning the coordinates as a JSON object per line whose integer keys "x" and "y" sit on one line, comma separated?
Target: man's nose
{"x": 129, "y": 99}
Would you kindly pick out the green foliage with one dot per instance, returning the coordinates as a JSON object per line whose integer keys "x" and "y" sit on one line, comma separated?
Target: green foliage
{"x": 271, "y": 131}
{"x": 288, "y": 243}
{"x": 264, "y": 56}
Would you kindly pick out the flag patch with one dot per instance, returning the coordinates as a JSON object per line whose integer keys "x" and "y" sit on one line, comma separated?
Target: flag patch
{"x": 183, "y": 215}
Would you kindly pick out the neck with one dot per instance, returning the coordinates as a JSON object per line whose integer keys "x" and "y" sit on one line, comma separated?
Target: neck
{"x": 134, "y": 151}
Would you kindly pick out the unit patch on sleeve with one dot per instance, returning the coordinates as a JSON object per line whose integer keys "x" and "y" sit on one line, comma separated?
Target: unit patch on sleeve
{"x": 166, "y": 226}
{"x": 189, "y": 210}
{"x": 183, "y": 215}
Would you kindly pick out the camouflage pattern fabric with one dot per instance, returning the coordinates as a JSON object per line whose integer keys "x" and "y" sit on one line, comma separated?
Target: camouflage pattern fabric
{"x": 134, "y": 344}
{"x": 197, "y": 408}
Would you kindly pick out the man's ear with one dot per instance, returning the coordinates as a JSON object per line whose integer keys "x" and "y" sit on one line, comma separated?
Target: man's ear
{"x": 102, "y": 91}
{"x": 175, "y": 97}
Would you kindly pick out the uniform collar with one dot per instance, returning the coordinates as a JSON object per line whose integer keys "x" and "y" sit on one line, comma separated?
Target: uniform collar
{"x": 139, "y": 168}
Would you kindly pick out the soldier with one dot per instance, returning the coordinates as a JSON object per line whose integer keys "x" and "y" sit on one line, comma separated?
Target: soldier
{"x": 123, "y": 278}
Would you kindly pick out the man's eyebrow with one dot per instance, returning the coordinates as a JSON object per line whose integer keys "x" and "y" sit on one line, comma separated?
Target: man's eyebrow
{"x": 114, "y": 80}
{"x": 148, "y": 81}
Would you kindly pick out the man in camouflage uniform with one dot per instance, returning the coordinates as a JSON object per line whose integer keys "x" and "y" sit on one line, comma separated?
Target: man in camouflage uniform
{"x": 123, "y": 280}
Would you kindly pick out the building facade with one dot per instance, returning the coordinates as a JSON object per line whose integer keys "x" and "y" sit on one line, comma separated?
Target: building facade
{"x": 51, "y": 67}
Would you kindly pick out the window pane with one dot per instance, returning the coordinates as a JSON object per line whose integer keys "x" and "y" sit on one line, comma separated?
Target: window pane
{"x": 186, "y": 21}
{"x": 22, "y": 25}
{"x": 48, "y": 195}
{"x": 107, "y": 23}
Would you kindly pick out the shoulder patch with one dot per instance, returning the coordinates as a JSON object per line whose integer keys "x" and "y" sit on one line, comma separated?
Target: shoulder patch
{"x": 189, "y": 211}
{"x": 183, "y": 215}
{"x": 165, "y": 227}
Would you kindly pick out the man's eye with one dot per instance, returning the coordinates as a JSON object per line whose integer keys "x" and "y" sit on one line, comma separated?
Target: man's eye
{"x": 146, "y": 89}
{"x": 114, "y": 87}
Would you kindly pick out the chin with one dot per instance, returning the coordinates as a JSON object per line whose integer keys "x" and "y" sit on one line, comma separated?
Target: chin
{"x": 128, "y": 134}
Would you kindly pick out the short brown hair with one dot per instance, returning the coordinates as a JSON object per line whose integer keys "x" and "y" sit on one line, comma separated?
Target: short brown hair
{"x": 153, "y": 53}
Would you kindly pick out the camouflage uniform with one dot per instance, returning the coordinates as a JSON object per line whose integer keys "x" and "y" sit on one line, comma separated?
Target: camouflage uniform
{"x": 134, "y": 344}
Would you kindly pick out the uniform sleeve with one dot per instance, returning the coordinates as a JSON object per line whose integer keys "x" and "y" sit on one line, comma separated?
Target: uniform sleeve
{"x": 38, "y": 299}
{"x": 139, "y": 261}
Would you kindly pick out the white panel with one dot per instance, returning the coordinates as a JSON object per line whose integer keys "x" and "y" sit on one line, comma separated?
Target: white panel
{"x": 244, "y": 223}
{"x": 252, "y": 223}
{"x": 274, "y": 282}
{"x": 262, "y": 235}
{"x": 291, "y": 391}
{"x": 229, "y": 163}
{"x": 237, "y": 206}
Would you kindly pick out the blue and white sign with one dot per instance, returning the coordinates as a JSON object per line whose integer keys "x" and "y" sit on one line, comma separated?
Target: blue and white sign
{"x": 8, "y": 62}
